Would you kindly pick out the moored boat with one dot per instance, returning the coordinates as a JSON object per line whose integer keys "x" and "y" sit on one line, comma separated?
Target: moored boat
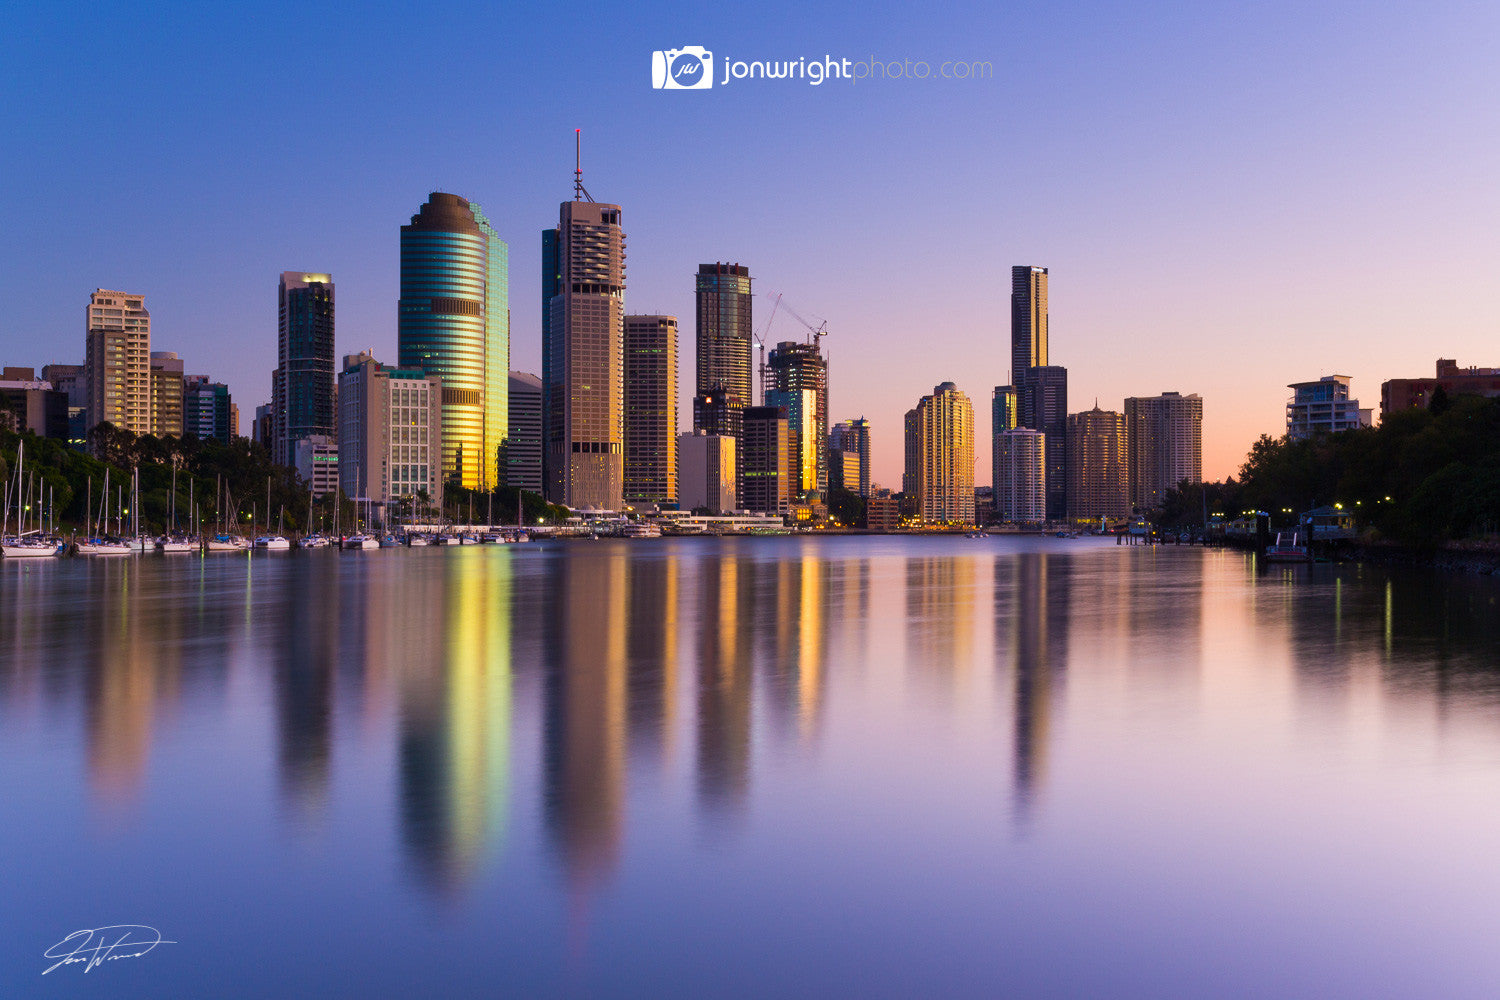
{"x": 272, "y": 543}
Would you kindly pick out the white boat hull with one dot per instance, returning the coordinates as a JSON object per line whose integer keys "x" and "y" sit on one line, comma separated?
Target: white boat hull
{"x": 28, "y": 551}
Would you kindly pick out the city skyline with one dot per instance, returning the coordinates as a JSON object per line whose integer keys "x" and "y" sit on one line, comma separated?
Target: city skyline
{"x": 1282, "y": 220}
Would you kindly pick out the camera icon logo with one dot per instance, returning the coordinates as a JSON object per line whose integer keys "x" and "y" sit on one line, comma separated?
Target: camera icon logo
{"x": 688, "y": 68}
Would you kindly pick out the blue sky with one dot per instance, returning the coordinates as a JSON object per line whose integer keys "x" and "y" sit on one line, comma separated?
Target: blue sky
{"x": 1229, "y": 197}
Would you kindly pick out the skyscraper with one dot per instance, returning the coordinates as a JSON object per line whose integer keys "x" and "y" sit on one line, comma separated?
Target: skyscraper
{"x": 1005, "y": 412}
{"x": 707, "y": 472}
{"x": 1165, "y": 445}
{"x": 440, "y": 324}
{"x": 1020, "y": 476}
{"x": 117, "y": 365}
{"x": 800, "y": 407}
{"x": 496, "y": 352}
{"x": 651, "y": 409}
{"x": 302, "y": 385}
{"x": 583, "y": 299}
{"x": 523, "y": 444}
{"x": 724, "y": 334}
{"x": 207, "y": 409}
{"x": 390, "y": 431}
{"x": 166, "y": 394}
{"x": 1097, "y": 465}
{"x": 1028, "y": 320}
{"x": 794, "y": 368}
{"x": 1042, "y": 396}
{"x": 852, "y": 437}
{"x": 944, "y": 431}
{"x": 765, "y": 465}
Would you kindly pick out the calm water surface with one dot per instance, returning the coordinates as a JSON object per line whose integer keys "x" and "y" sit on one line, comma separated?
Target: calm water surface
{"x": 873, "y": 767}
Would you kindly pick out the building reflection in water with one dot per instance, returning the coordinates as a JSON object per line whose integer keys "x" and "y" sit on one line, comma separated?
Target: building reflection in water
{"x": 726, "y": 629}
{"x": 651, "y": 656}
{"x": 940, "y": 610}
{"x": 584, "y": 691}
{"x": 797, "y": 590}
{"x": 1032, "y": 611}
{"x": 455, "y": 688}
{"x": 304, "y": 655}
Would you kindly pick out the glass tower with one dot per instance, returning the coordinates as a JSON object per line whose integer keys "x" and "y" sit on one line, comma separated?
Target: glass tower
{"x": 441, "y": 328}
{"x": 302, "y": 385}
{"x": 496, "y": 351}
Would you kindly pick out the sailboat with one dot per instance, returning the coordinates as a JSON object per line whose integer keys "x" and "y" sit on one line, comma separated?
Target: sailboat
{"x": 269, "y": 542}
{"x": 97, "y": 544}
{"x": 23, "y": 544}
{"x": 224, "y": 541}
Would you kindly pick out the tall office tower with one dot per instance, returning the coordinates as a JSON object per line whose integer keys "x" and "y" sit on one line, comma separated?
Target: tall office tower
{"x": 651, "y": 409}
{"x": 440, "y": 324}
{"x": 390, "y": 440}
{"x": 1165, "y": 445}
{"x": 302, "y": 384}
{"x": 234, "y": 420}
{"x": 852, "y": 437}
{"x": 912, "y": 439}
{"x": 1098, "y": 481}
{"x": 800, "y": 408}
{"x": 117, "y": 362}
{"x": 723, "y": 342}
{"x": 1020, "y": 476}
{"x": 1042, "y": 403}
{"x": 496, "y": 385}
{"x": 945, "y": 456}
{"x": 260, "y": 429}
{"x": 1028, "y": 320}
{"x": 523, "y": 446}
{"x": 797, "y": 367}
{"x": 1005, "y": 409}
{"x": 206, "y": 409}
{"x": 166, "y": 394}
{"x": 707, "y": 472}
{"x": 716, "y": 412}
{"x": 583, "y": 391}
{"x": 765, "y": 465}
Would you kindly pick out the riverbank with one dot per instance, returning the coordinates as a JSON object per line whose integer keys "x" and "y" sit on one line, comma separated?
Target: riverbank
{"x": 1476, "y": 556}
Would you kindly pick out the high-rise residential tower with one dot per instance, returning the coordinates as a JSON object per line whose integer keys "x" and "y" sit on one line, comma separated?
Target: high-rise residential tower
{"x": 440, "y": 324}
{"x": 207, "y": 409}
{"x": 303, "y": 383}
{"x": 1028, "y": 319}
{"x": 852, "y": 437}
{"x": 801, "y": 367}
{"x": 1097, "y": 465}
{"x": 166, "y": 394}
{"x": 1165, "y": 445}
{"x": 117, "y": 365}
{"x": 651, "y": 409}
{"x": 944, "y": 440}
{"x": 496, "y": 352}
{"x": 583, "y": 310}
{"x": 1020, "y": 476}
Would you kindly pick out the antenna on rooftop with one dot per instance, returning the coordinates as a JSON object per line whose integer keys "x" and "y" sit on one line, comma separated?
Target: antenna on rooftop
{"x": 579, "y": 191}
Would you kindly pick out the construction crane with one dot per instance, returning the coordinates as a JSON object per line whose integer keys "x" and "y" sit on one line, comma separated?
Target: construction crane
{"x": 760, "y": 340}
{"x": 818, "y": 332}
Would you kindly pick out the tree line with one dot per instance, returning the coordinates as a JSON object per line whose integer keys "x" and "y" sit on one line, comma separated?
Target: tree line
{"x": 1423, "y": 477}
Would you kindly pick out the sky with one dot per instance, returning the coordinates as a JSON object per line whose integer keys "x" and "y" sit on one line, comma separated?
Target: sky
{"x": 1229, "y": 197}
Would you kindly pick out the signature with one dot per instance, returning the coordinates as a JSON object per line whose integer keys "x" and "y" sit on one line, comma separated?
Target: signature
{"x": 104, "y": 944}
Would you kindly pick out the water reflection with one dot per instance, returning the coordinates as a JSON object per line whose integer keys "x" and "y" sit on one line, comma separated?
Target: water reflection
{"x": 738, "y": 648}
{"x": 726, "y": 621}
{"x": 584, "y": 628}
